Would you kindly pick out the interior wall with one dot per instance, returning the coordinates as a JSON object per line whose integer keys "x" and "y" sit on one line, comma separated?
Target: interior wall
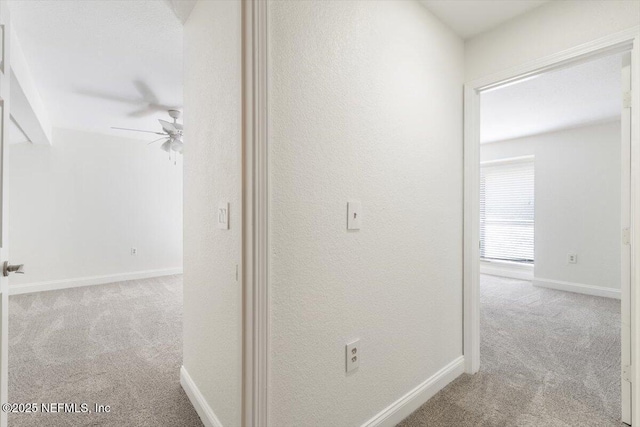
{"x": 78, "y": 206}
{"x": 548, "y": 29}
{"x": 212, "y": 293}
{"x": 365, "y": 104}
{"x": 577, "y": 201}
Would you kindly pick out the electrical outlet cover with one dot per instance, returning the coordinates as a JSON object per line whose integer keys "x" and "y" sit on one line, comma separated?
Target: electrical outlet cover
{"x": 353, "y": 355}
{"x": 354, "y": 215}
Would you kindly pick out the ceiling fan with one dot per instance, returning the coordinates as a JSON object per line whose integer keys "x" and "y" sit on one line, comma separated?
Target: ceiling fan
{"x": 147, "y": 101}
{"x": 171, "y": 133}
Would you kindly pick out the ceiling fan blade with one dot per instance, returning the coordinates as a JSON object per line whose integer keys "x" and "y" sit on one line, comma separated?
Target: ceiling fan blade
{"x": 168, "y": 127}
{"x": 139, "y": 130}
{"x": 143, "y": 112}
{"x": 159, "y": 139}
{"x": 178, "y": 126}
{"x": 149, "y": 110}
{"x": 166, "y": 146}
{"x": 146, "y": 92}
{"x": 108, "y": 96}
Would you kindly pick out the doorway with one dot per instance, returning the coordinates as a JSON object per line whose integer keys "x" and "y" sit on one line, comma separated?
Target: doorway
{"x": 475, "y": 228}
{"x": 92, "y": 188}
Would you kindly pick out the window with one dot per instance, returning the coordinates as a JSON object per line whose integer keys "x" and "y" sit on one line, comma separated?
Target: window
{"x": 507, "y": 210}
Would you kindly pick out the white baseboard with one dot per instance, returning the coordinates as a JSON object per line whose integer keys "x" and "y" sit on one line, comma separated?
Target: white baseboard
{"x": 26, "y": 288}
{"x": 580, "y": 288}
{"x": 198, "y": 401}
{"x": 403, "y": 407}
{"x": 510, "y": 270}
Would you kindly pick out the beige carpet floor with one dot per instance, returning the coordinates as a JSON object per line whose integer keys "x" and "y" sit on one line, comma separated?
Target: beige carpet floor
{"x": 118, "y": 344}
{"x": 548, "y": 358}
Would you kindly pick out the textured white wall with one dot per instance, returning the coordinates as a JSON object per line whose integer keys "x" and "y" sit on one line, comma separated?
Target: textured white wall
{"x": 366, "y": 104}
{"x": 577, "y": 209}
{"x": 212, "y": 296}
{"x": 77, "y": 207}
{"x": 548, "y": 29}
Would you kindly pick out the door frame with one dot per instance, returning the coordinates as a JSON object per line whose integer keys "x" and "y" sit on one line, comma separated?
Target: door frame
{"x": 624, "y": 41}
{"x": 5, "y": 95}
{"x": 255, "y": 214}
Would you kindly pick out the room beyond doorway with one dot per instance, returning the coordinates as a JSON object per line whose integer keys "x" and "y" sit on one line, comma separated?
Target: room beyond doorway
{"x": 118, "y": 344}
{"x": 571, "y": 123}
{"x": 547, "y": 359}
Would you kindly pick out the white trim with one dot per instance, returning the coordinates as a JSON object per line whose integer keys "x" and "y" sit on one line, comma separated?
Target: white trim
{"x": 509, "y": 160}
{"x": 471, "y": 231}
{"x": 626, "y": 250}
{"x": 580, "y": 288}
{"x": 512, "y": 270}
{"x": 618, "y": 42}
{"x": 614, "y": 43}
{"x": 255, "y": 216}
{"x": 634, "y": 288}
{"x": 26, "y": 288}
{"x": 403, "y": 407}
{"x": 206, "y": 414}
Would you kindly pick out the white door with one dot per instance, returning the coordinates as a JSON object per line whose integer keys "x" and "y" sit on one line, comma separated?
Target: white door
{"x": 5, "y": 77}
{"x": 625, "y": 309}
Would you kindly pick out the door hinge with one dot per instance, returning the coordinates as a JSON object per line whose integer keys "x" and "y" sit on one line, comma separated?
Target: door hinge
{"x": 627, "y": 373}
{"x": 626, "y": 100}
{"x": 626, "y": 236}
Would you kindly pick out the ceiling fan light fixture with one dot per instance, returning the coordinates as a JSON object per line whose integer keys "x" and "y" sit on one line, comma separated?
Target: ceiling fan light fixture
{"x": 166, "y": 146}
{"x": 171, "y": 131}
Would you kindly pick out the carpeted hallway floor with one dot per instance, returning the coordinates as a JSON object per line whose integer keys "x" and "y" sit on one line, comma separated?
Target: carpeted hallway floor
{"x": 118, "y": 344}
{"x": 548, "y": 358}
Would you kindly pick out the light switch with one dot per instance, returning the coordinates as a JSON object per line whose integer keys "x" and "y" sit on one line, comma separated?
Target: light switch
{"x": 223, "y": 216}
{"x": 354, "y": 215}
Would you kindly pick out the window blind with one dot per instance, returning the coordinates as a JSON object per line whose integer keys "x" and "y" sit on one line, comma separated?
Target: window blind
{"x": 507, "y": 211}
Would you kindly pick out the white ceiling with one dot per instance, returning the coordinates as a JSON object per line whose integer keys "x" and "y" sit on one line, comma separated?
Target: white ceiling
{"x": 76, "y": 48}
{"x": 469, "y": 18}
{"x": 81, "y": 48}
{"x": 570, "y": 97}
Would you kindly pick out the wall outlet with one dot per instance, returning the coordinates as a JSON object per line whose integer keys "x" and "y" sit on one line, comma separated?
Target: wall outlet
{"x": 353, "y": 356}
{"x": 572, "y": 258}
{"x": 134, "y": 251}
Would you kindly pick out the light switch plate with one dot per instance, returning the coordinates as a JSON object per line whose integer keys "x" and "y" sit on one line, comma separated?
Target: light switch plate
{"x": 353, "y": 355}
{"x": 223, "y": 216}
{"x": 354, "y": 215}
